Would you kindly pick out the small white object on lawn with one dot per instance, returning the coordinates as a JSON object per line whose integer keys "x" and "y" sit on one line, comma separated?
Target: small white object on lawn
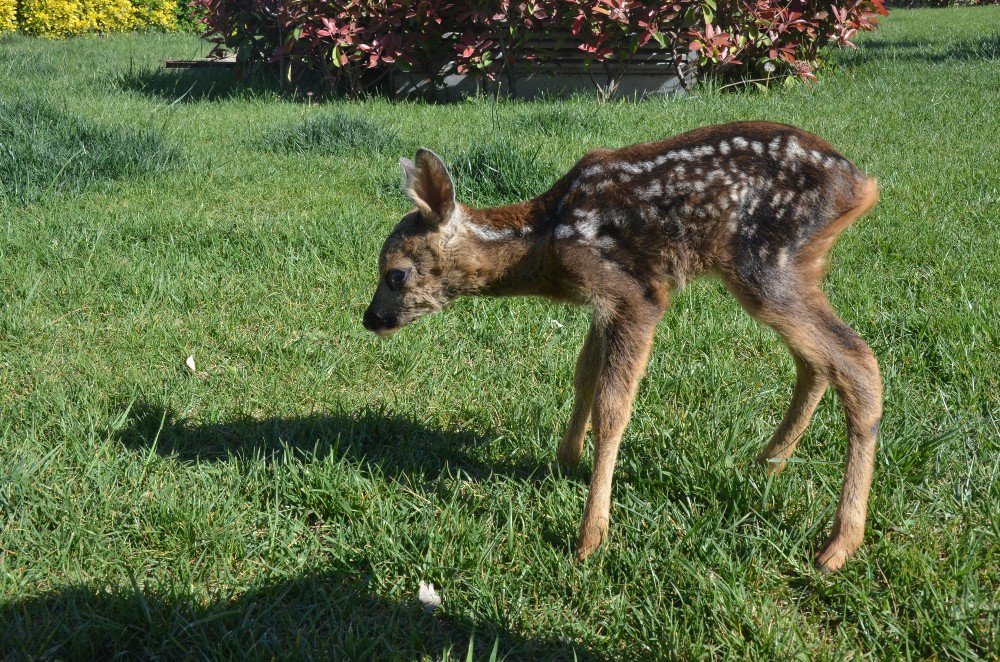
{"x": 428, "y": 597}
{"x": 190, "y": 365}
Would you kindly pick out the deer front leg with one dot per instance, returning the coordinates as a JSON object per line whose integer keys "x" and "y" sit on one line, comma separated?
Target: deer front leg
{"x": 588, "y": 369}
{"x": 626, "y": 340}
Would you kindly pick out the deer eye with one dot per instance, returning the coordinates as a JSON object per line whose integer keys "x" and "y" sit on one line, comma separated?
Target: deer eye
{"x": 396, "y": 278}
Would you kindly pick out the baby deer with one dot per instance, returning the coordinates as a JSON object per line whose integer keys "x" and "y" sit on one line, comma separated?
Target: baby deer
{"x": 757, "y": 203}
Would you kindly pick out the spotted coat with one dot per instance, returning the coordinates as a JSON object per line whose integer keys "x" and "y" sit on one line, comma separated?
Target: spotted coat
{"x": 750, "y": 195}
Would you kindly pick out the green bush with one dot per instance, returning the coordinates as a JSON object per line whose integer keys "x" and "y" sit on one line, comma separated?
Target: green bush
{"x": 187, "y": 17}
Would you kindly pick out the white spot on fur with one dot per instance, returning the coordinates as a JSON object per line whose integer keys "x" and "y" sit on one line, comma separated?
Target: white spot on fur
{"x": 563, "y": 231}
{"x": 648, "y": 213}
{"x": 740, "y": 143}
{"x": 494, "y": 234}
{"x": 724, "y": 147}
{"x": 655, "y": 190}
{"x": 794, "y": 149}
{"x": 757, "y": 146}
{"x": 588, "y": 223}
{"x": 782, "y": 258}
{"x": 450, "y": 228}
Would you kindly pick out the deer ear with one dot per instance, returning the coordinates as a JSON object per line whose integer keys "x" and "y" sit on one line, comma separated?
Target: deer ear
{"x": 426, "y": 181}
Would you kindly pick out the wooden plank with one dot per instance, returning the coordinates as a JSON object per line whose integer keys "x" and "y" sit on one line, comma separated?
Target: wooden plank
{"x": 224, "y": 62}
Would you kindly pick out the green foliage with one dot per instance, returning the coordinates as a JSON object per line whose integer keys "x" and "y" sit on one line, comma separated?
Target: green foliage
{"x": 352, "y": 45}
{"x": 188, "y": 17}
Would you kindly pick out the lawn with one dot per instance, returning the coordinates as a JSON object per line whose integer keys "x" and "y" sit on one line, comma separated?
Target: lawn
{"x": 286, "y": 497}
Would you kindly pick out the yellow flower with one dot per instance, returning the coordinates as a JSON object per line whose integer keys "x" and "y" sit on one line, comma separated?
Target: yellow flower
{"x": 63, "y": 18}
{"x": 8, "y": 16}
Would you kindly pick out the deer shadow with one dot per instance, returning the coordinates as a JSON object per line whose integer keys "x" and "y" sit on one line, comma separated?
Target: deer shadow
{"x": 320, "y": 615}
{"x": 390, "y": 444}
{"x": 333, "y": 613}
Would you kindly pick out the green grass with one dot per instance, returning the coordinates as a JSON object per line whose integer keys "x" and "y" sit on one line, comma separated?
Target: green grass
{"x": 332, "y": 134}
{"x": 46, "y": 150}
{"x": 288, "y": 497}
{"x": 497, "y": 170}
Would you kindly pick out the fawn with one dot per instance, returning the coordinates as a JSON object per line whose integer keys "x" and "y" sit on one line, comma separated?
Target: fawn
{"x": 759, "y": 204}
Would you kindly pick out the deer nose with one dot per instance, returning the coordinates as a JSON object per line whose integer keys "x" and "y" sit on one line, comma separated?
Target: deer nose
{"x": 373, "y": 321}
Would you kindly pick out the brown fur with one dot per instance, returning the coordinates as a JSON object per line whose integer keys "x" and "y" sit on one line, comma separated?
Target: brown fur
{"x": 759, "y": 204}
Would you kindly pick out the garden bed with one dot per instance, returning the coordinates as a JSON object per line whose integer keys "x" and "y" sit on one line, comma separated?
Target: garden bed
{"x": 462, "y": 48}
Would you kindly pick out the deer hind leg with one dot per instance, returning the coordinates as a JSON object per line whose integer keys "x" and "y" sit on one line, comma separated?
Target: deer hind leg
{"x": 826, "y": 351}
{"x": 839, "y": 355}
{"x": 789, "y": 315}
{"x": 588, "y": 370}
{"x": 810, "y": 385}
{"x": 855, "y": 375}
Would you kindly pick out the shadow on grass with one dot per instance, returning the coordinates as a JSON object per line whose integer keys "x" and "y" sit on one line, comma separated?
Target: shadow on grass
{"x": 389, "y": 443}
{"x": 980, "y": 48}
{"x": 225, "y": 83}
{"x": 880, "y": 50}
{"x": 333, "y": 614}
{"x": 324, "y": 616}
{"x": 204, "y": 84}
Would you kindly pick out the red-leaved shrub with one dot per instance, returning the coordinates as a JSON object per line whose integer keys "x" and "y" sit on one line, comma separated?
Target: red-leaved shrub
{"x": 353, "y": 44}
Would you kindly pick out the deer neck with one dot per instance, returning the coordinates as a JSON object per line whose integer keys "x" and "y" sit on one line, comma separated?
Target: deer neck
{"x": 504, "y": 251}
